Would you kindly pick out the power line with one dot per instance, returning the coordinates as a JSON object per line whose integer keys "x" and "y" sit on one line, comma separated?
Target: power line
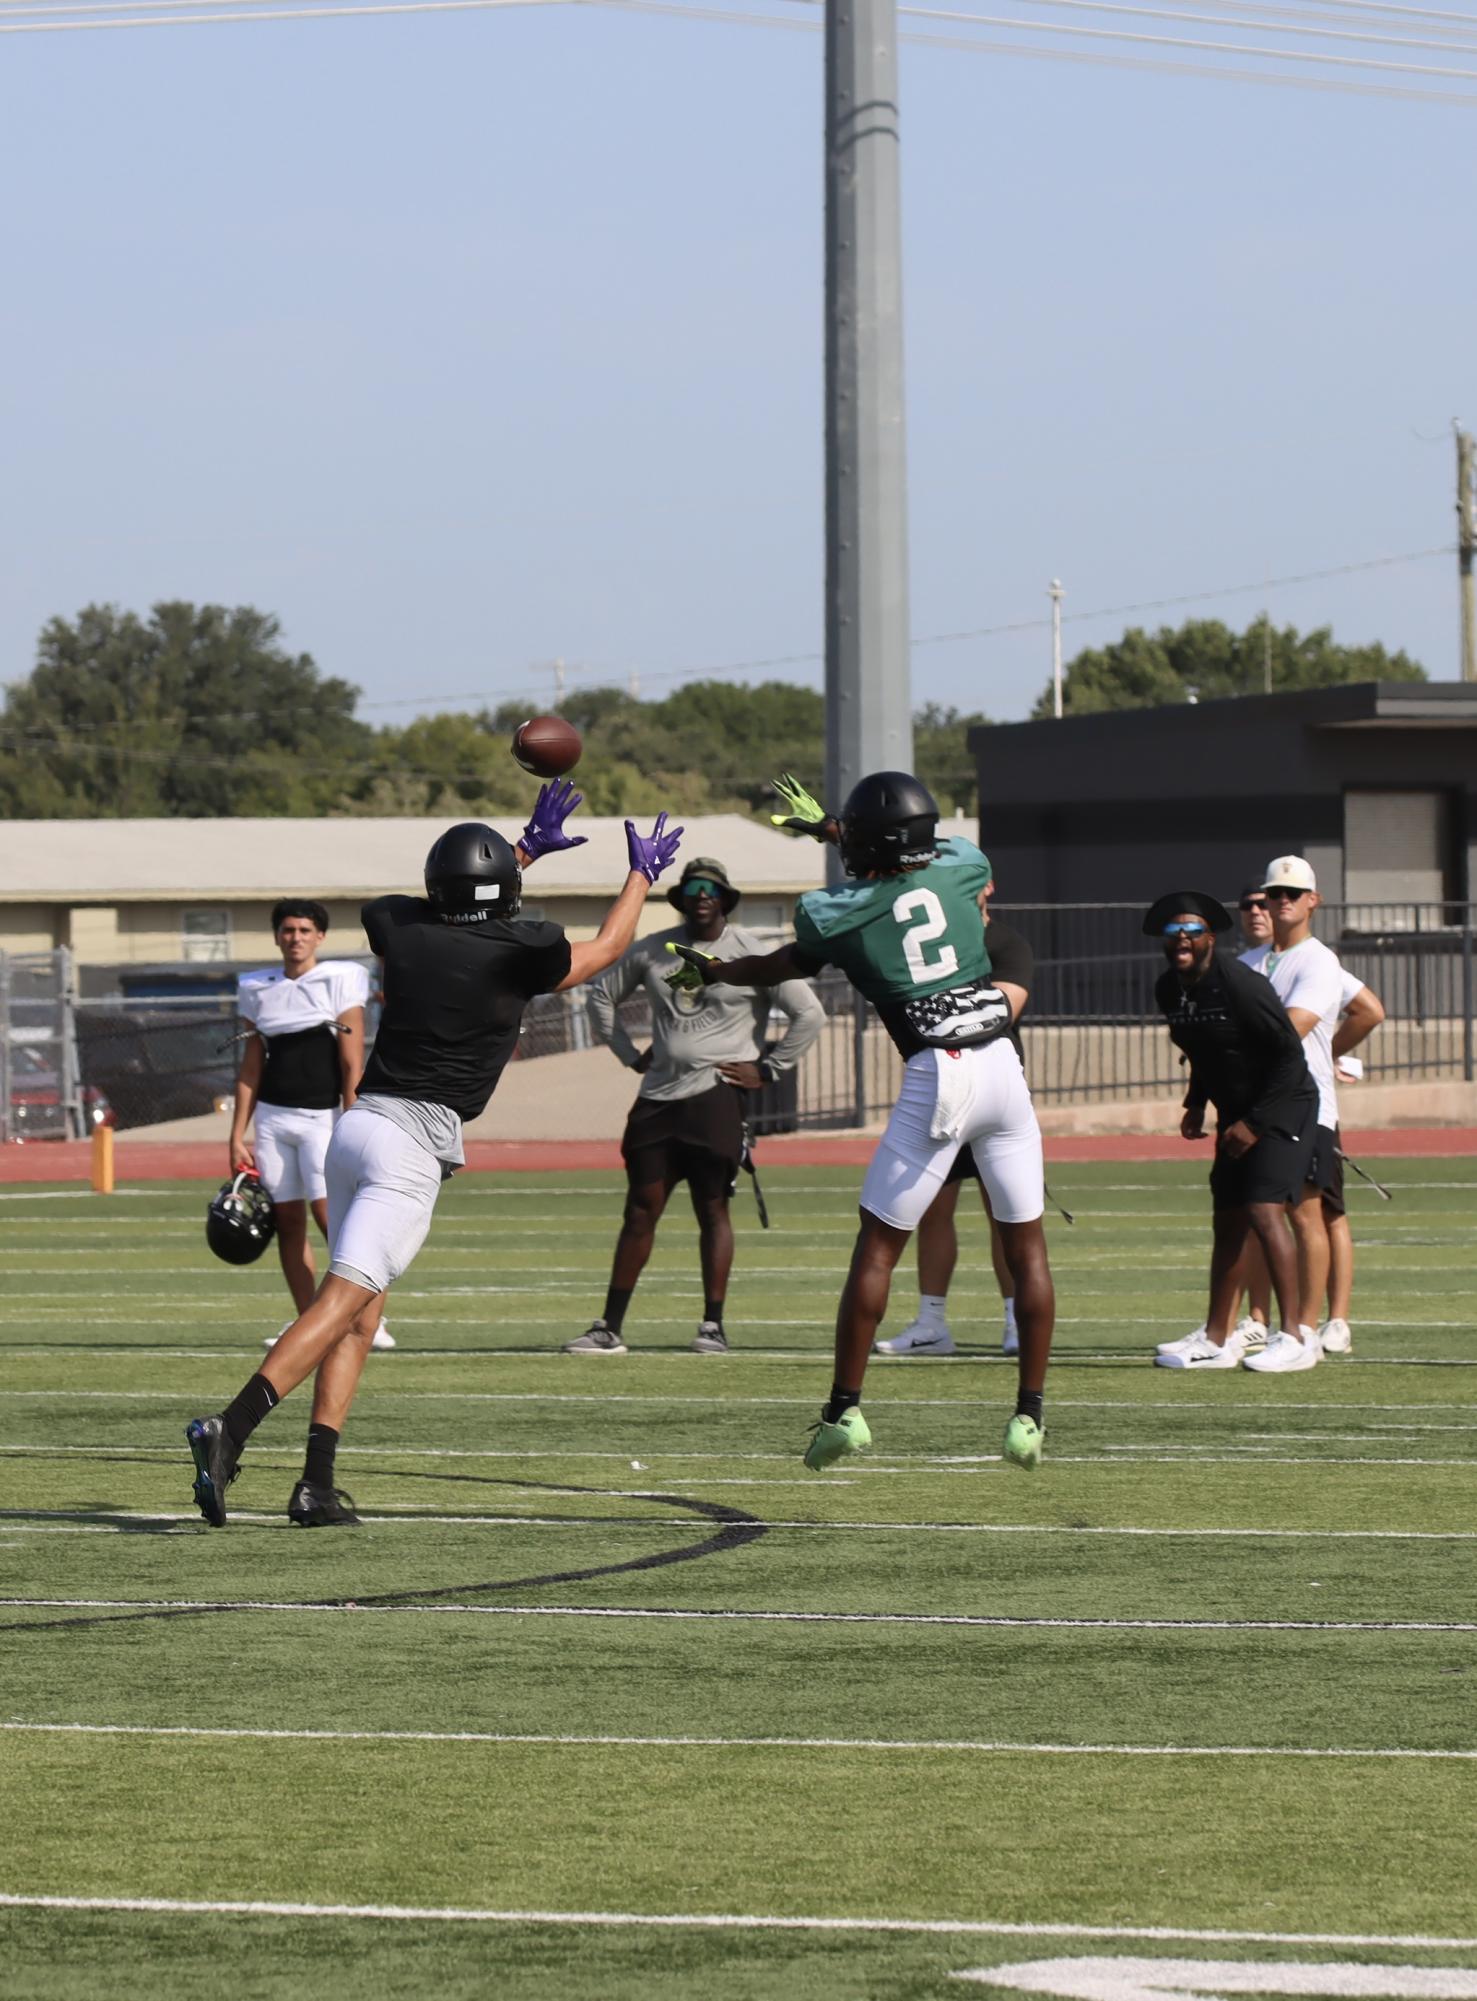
{"x": 75, "y": 743}
{"x": 1257, "y": 16}
{"x": 663, "y": 7}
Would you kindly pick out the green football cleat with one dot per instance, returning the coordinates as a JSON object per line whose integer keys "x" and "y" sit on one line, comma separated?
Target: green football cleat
{"x": 1023, "y": 1441}
{"x": 830, "y": 1442}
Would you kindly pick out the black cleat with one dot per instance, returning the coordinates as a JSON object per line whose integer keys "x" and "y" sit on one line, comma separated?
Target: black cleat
{"x": 321, "y": 1507}
{"x": 215, "y": 1455}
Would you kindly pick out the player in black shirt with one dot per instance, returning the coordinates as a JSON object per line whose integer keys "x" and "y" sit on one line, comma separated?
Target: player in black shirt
{"x": 460, "y": 966}
{"x": 1246, "y": 1059}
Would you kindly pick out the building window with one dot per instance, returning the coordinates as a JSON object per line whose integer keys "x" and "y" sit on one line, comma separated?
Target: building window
{"x": 1398, "y": 847}
{"x": 205, "y": 935}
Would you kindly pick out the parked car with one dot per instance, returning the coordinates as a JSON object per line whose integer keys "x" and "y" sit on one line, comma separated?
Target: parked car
{"x": 36, "y": 1109}
{"x": 153, "y": 1064}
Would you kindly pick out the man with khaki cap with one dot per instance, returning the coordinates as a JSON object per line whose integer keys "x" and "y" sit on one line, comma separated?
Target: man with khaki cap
{"x": 707, "y": 1049}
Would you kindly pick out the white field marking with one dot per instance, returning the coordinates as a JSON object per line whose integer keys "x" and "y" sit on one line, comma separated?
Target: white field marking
{"x": 1153, "y": 1979}
{"x": 809, "y": 1357}
{"x": 724, "y": 1921}
{"x": 1169, "y": 1401}
{"x": 989, "y": 1747}
{"x": 83, "y": 1194}
{"x": 954, "y": 1462}
{"x": 719, "y": 1615}
{"x": 429, "y": 1516}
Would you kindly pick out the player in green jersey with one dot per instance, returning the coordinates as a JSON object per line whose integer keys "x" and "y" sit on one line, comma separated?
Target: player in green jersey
{"x": 906, "y": 931}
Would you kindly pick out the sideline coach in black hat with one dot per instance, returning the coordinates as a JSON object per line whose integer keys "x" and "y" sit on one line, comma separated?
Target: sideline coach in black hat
{"x": 707, "y": 1048}
{"x": 1246, "y": 1059}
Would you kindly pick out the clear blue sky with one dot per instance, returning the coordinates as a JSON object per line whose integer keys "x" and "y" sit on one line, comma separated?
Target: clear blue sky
{"x": 463, "y": 342}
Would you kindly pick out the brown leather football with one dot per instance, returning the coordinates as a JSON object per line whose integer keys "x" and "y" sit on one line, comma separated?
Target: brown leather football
{"x": 547, "y": 746}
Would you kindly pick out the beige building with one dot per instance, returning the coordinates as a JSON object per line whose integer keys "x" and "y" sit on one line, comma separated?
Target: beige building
{"x": 121, "y": 892}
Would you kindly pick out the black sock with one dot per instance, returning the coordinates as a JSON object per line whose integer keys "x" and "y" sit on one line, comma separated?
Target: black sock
{"x": 713, "y": 1310}
{"x": 322, "y": 1444}
{"x": 616, "y": 1302}
{"x": 1028, "y": 1404}
{"x": 840, "y": 1400}
{"x": 244, "y": 1413}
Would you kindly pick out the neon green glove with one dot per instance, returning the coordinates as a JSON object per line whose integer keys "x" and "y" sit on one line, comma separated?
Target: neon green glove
{"x": 806, "y": 815}
{"x": 690, "y": 975}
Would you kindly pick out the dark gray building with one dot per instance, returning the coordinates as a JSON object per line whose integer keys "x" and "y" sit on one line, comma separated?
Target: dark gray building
{"x": 1375, "y": 784}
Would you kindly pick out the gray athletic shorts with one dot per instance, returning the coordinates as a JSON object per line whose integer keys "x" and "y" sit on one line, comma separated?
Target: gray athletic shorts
{"x": 382, "y": 1189}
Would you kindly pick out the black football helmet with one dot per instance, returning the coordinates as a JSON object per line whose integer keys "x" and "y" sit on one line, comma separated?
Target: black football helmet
{"x": 241, "y": 1220}
{"x": 472, "y": 874}
{"x": 888, "y": 823}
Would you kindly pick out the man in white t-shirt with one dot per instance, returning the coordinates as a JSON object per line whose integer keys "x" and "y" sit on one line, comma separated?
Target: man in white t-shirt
{"x": 300, "y": 1065}
{"x": 1309, "y": 981}
{"x": 1362, "y": 1011}
{"x": 1312, "y": 985}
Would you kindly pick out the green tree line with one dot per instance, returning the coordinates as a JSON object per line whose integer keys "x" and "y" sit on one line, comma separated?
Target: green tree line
{"x": 201, "y": 711}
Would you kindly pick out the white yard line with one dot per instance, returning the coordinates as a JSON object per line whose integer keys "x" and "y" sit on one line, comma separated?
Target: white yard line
{"x": 985, "y": 1746}
{"x": 721, "y": 1921}
{"x": 893, "y": 1462}
{"x": 430, "y": 1518}
{"x": 349, "y": 1609}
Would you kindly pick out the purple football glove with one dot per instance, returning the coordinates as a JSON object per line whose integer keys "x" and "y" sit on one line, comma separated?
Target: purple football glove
{"x": 650, "y": 853}
{"x": 544, "y": 834}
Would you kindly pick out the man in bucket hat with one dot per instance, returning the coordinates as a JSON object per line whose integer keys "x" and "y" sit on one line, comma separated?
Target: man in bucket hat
{"x": 1245, "y": 1058}
{"x": 706, "y": 1050}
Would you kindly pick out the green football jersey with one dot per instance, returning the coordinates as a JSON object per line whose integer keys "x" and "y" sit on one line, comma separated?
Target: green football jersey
{"x": 899, "y": 937}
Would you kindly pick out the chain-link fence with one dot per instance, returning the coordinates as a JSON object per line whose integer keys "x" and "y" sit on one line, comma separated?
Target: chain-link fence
{"x": 42, "y": 1095}
{"x": 1092, "y": 1033}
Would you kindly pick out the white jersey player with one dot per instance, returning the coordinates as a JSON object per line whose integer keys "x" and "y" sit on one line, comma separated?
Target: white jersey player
{"x": 300, "y": 1066}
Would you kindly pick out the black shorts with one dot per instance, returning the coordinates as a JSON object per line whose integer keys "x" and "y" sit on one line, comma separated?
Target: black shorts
{"x": 1274, "y": 1170}
{"x": 698, "y": 1140}
{"x": 1327, "y": 1170}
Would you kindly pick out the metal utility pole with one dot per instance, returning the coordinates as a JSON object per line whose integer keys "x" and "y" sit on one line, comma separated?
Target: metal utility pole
{"x": 1466, "y": 542}
{"x": 869, "y": 722}
{"x": 558, "y": 702}
{"x": 1056, "y": 594}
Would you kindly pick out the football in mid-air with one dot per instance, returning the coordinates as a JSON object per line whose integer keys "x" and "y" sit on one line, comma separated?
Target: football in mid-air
{"x": 547, "y": 746}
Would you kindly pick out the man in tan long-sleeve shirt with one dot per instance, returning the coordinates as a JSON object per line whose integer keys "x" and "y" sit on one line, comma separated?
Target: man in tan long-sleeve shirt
{"x": 706, "y": 1050}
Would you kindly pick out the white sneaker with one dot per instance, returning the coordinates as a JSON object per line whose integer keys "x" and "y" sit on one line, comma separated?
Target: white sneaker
{"x": 919, "y": 1337}
{"x": 1184, "y": 1341}
{"x": 1285, "y": 1353}
{"x": 1202, "y": 1353}
{"x": 272, "y": 1339}
{"x": 383, "y": 1338}
{"x": 1010, "y": 1341}
{"x": 1335, "y": 1337}
{"x": 1252, "y": 1332}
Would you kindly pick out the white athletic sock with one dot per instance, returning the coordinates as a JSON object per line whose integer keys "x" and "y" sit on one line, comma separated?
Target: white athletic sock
{"x": 1010, "y": 1326}
{"x": 933, "y": 1308}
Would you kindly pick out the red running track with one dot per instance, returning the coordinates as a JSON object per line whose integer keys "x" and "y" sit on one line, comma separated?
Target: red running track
{"x": 158, "y": 1160}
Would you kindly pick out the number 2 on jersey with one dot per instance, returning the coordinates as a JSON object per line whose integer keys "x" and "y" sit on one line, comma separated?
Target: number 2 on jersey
{"x": 933, "y": 925}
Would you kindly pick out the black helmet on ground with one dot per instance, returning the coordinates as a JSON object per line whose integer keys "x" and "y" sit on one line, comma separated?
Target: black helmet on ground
{"x": 889, "y": 822}
{"x": 472, "y": 874}
{"x": 241, "y": 1220}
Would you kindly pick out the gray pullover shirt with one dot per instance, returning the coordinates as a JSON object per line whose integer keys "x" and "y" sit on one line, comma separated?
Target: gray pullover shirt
{"x": 693, "y": 1033}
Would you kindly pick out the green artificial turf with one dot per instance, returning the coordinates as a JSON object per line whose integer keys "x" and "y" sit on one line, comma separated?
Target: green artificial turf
{"x": 691, "y": 1679}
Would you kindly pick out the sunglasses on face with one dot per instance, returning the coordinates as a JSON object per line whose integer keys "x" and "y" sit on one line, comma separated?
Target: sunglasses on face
{"x": 1285, "y": 895}
{"x": 1253, "y": 903}
{"x": 1193, "y": 928}
{"x": 699, "y": 886}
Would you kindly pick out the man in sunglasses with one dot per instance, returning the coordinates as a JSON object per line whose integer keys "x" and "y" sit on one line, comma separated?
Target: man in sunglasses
{"x": 1246, "y": 1058}
{"x": 706, "y": 1050}
{"x": 1311, "y": 984}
